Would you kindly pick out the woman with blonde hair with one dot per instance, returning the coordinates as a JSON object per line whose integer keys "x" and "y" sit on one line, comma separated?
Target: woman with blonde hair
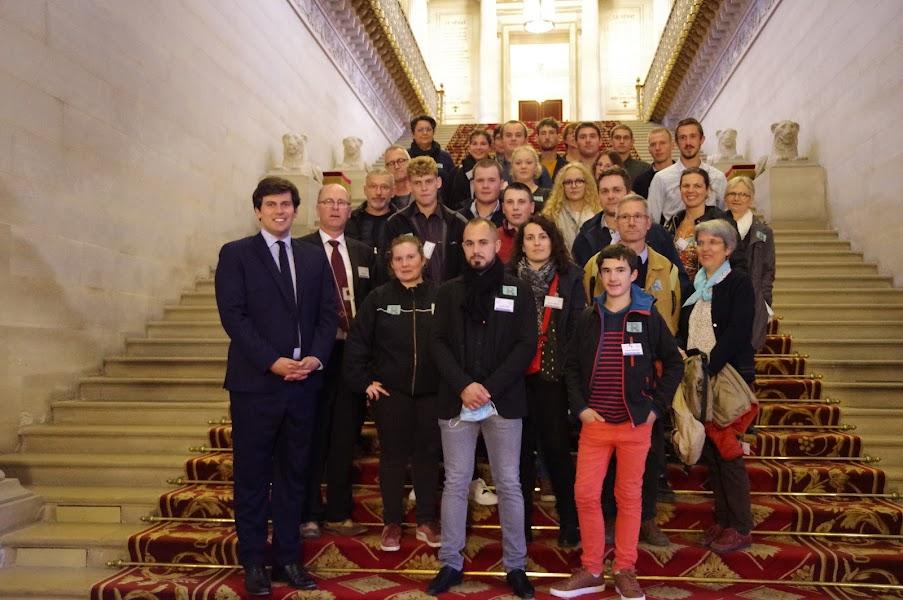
{"x": 526, "y": 168}
{"x": 573, "y": 201}
{"x": 757, "y": 243}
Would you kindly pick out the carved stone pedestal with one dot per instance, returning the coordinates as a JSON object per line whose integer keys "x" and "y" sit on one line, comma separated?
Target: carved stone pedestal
{"x": 793, "y": 191}
{"x": 308, "y": 188}
{"x": 18, "y": 506}
{"x": 356, "y": 190}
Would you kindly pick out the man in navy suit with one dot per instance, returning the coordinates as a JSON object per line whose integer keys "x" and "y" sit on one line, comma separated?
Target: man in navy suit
{"x": 277, "y": 303}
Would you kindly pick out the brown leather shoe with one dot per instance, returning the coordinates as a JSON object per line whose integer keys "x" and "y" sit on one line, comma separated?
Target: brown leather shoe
{"x": 627, "y": 585}
{"x": 731, "y": 540}
{"x": 347, "y": 528}
{"x": 580, "y": 583}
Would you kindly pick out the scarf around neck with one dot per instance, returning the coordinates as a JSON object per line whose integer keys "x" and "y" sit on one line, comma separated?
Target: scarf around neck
{"x": 481, "y": 288}
{"x": 704, "y": 284}
{"x": 539, "y": 281}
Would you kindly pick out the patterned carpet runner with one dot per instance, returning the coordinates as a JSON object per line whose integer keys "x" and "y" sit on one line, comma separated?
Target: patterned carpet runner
{"x": 817, "y": 505}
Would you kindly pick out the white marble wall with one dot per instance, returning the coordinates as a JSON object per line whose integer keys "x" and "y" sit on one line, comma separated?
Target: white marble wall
{"x": 837, "y": 71}
{"x": 131, "y": 136}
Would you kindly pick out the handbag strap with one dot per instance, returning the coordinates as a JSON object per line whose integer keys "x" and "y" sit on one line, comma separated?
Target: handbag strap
{"x": 547, "y": 313}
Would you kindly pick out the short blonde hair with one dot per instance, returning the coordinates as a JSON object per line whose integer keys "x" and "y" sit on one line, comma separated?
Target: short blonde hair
{"x": 742, "y": 180}
{"x": 422, "y": 166}
{"x": 526, "y": 149}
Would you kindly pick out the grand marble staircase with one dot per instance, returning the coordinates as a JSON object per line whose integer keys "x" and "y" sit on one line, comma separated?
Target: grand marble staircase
{"x": 110, "y": 454}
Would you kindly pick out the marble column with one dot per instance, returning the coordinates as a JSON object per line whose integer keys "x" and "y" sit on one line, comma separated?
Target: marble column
{"x": 490, "y": 64}
{"x": 590, "y": 99}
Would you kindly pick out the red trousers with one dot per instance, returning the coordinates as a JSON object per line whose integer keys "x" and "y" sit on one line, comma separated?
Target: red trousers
{"x": 597, "y": 443}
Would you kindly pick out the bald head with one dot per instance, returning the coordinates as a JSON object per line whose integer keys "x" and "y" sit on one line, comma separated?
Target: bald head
{"x": 481, "y": 243}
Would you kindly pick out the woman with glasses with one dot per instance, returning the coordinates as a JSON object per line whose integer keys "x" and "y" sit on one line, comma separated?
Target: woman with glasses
{"x": 757, "y": 244}
{"x": 479, "y": 145}
{"x": 526, "y": 169}
{"x": 573, "y": 201}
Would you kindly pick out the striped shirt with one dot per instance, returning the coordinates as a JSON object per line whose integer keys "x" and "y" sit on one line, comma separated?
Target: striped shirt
{"x": 606, "y": 391}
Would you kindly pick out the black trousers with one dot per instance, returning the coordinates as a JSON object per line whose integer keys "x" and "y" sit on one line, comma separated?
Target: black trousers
{"x": 547, "y": 429}
{"x": 654, "y": 461}
{"x": 730, "y": 486}
{"x": 338, "y": 427}
{"x": 408, "y": 430}
{"x": 271, "y": 441}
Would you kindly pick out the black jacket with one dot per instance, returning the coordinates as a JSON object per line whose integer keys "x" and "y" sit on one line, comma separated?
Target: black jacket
{"x": 390, "y": 339}
{"x": 511, "y": 344}
{"x": 593, "y": 236}
{"x": 400, "y": 223}
{"x": 570, "y": 288}
{"x": 642, "y": 391}
{"x": 733, "y": 310}
{"x": 460, "y": 194}
{"x": 496, "y": 218}
{"x": 363, "y": 265}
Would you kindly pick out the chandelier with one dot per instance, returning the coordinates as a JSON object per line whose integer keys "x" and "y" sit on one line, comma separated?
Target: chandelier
{"x": 538, "y": 15}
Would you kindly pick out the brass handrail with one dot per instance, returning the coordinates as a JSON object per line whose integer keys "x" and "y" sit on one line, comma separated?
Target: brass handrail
{"x": 118, "y": 564}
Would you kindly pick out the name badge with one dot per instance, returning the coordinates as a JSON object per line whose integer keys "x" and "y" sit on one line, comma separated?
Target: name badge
{"x": 537, "y": 199}
{"x": 428, "y": 248}
{"x": 681, "y": 243}
{"x": 632, "y": 349}
{"x": 656, "y": 285}
{"x": 762, "y": 236}
{"x": 634, "y": 327}
{"x": 346, "y": 293}
{"x": 363, "y": 272}
{"x": 394, "y": 309}
{"x": 554, "y": 302}
{"x": 509, "y": 290}
{"x": 504, "y": 305}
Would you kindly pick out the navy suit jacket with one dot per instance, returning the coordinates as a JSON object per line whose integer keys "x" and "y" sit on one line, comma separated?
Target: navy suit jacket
{"x": 260, "y": 316}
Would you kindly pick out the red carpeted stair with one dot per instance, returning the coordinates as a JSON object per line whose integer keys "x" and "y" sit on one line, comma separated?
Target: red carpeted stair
{"x": 807, "y": 473}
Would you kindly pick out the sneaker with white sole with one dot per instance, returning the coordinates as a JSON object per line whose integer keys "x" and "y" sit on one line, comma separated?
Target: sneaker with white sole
{"x": 580, "y": 583}
{"x": 481, "y": 494}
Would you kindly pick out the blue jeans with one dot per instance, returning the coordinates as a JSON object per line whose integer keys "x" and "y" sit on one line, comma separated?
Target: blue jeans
{"x": 459, "y": 441}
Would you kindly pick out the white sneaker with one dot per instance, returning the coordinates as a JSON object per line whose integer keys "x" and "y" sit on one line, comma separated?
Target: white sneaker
{"x": 481, "y": 494}
{"x": 412, "y": 497}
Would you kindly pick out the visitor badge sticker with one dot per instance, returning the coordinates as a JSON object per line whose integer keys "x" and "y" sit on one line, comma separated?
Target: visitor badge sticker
{"x": 509, "y": 290}
{"x": 346, "y": 293}
{"x": 682, "y": 243}
{"x": 363, "y": 272}
{"x": 657, "y": 285}
{"x": 504, "y": 304}
{"x": 634, "y": 327}
{"x": 554, "y": 302}
{"x": 428, "y": 248}
{"x": 762, "y": 236}
{"x": 394, "y": 309}
{"x": 632, "y": 349}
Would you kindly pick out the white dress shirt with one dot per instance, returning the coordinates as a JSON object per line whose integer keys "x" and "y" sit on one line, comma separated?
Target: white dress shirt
{"x": 664, "y": 191}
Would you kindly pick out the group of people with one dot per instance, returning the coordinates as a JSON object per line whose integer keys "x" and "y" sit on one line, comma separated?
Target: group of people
{"x": 507, "y": 300}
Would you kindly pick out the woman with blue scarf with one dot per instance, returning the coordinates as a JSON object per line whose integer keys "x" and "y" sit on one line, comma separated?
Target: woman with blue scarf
{"x": 717, "y": 320}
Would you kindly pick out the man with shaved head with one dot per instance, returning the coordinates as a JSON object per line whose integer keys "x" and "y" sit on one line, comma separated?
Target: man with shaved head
{"x": 339, "y": 415}
{"x": 484, "y": 336}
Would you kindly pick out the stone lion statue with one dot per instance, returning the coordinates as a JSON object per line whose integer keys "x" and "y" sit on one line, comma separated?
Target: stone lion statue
{"x": 783, "y": 147}
{"x": 727, "y": 146}
{"x": 351, "y": 160}
{"x": 294, "y": 156}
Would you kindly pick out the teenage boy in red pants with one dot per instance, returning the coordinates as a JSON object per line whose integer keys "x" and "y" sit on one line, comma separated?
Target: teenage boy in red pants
{"x": 613, "y": 387}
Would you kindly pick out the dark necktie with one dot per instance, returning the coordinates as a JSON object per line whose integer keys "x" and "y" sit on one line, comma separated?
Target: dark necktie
{"x": 341, "y": 279}
{"x": 286, "y": 271}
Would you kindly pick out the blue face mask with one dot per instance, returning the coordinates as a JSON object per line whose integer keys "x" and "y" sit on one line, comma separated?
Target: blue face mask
{"x": 478, "y": 414}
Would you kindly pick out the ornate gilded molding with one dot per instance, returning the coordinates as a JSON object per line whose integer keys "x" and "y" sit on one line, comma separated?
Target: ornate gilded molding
{"x": 684, "y": 33}
{"x": 358, "y": 58}
{"x": 703, "y": 42}
{"x": 392, "y": 37}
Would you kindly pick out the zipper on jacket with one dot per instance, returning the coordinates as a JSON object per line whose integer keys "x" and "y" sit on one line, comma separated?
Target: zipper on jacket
{"x": 414, "y": 329}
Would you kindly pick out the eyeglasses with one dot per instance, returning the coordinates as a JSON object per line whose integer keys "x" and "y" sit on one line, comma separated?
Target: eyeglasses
{"x": 573, "y": 182}
{"x": 738, "y": 195}
{"x": 635, "y": 217}
{"x": 332, "y": 203}
{"x": 397, "y": 162}
{"x": 424, "y": 130}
